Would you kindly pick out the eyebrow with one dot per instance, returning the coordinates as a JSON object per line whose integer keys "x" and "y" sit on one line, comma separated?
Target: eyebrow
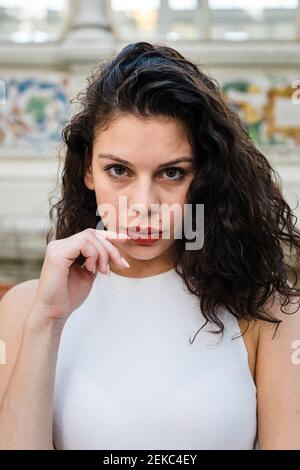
{"x": 121, "y": 160}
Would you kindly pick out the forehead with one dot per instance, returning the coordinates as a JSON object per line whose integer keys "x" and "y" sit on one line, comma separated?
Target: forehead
{"x": 154, "y": 139}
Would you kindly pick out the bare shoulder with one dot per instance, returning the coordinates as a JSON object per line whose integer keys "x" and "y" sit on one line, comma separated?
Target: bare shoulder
{"x": 18, "y": 300}
{"x": 286, "y": 316}
{"x": 263, "y": 339}
{"x": 286, "y": 321}
{"x": 15, "y": 307}
{"x": 278, "y": 379}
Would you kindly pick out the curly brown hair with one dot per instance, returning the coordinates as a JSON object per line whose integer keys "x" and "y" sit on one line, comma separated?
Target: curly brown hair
{"x": 248, "y": 224}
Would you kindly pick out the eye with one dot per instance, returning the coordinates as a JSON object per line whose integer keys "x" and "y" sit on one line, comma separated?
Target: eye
{"x": 113, "y": 167}
{"x": 117, "y": 171}
{"x": 171, "y": 171}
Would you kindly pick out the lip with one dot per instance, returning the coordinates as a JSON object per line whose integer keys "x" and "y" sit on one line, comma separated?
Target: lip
{"x": 145, "y": 230}
{"x": 148, "y": 235}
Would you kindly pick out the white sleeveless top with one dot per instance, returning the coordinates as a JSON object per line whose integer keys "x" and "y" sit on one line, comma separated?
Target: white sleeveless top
{"x": 128, "y": 377}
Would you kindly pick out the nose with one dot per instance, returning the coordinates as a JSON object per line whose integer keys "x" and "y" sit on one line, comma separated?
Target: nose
{"x": 144, "y": 200}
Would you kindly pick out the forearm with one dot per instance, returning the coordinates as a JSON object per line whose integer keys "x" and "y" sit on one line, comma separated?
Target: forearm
{"x": 26, "y": 411}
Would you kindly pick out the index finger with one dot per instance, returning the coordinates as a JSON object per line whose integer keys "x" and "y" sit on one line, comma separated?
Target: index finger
{"x": 110, "y": 234}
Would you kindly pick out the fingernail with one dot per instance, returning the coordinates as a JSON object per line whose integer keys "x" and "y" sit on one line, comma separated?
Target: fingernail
{"x": 108, "y": 270}
{"x": 125, "y": 262}
{"x": 94, "y": 270}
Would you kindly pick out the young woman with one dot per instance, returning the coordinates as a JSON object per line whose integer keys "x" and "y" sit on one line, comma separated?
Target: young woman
{"x": 152, "y": 355}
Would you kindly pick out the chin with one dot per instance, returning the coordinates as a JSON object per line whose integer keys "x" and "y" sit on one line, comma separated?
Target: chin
{"x": 145, "y": 252}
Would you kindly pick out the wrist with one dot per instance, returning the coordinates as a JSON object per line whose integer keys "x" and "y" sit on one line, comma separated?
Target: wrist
{"x": 41, "y": 319}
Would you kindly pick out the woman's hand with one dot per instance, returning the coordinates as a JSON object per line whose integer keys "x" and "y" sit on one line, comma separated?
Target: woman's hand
{"x": 64, "y": 285}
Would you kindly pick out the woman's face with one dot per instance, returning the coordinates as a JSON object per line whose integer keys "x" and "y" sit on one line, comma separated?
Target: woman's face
{"x": 145, "y": 176}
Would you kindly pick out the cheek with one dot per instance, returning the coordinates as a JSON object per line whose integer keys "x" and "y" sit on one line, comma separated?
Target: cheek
{"x": 107, "y": 206}
{"x": 183, "y": 192}
{"x": 105, "y": 193}
{"x": 179, "y": 206}
{"x": 179, "y": 195}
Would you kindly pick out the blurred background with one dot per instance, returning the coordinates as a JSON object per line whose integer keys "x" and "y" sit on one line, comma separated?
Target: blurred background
{"x": 48, "y": 48}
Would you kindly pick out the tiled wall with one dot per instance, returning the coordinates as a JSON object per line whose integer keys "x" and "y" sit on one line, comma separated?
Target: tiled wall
{"x": 35, "y": 105}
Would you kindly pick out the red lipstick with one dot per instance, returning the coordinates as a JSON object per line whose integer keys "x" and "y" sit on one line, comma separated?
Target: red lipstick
{"x": 145, "y": 236}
